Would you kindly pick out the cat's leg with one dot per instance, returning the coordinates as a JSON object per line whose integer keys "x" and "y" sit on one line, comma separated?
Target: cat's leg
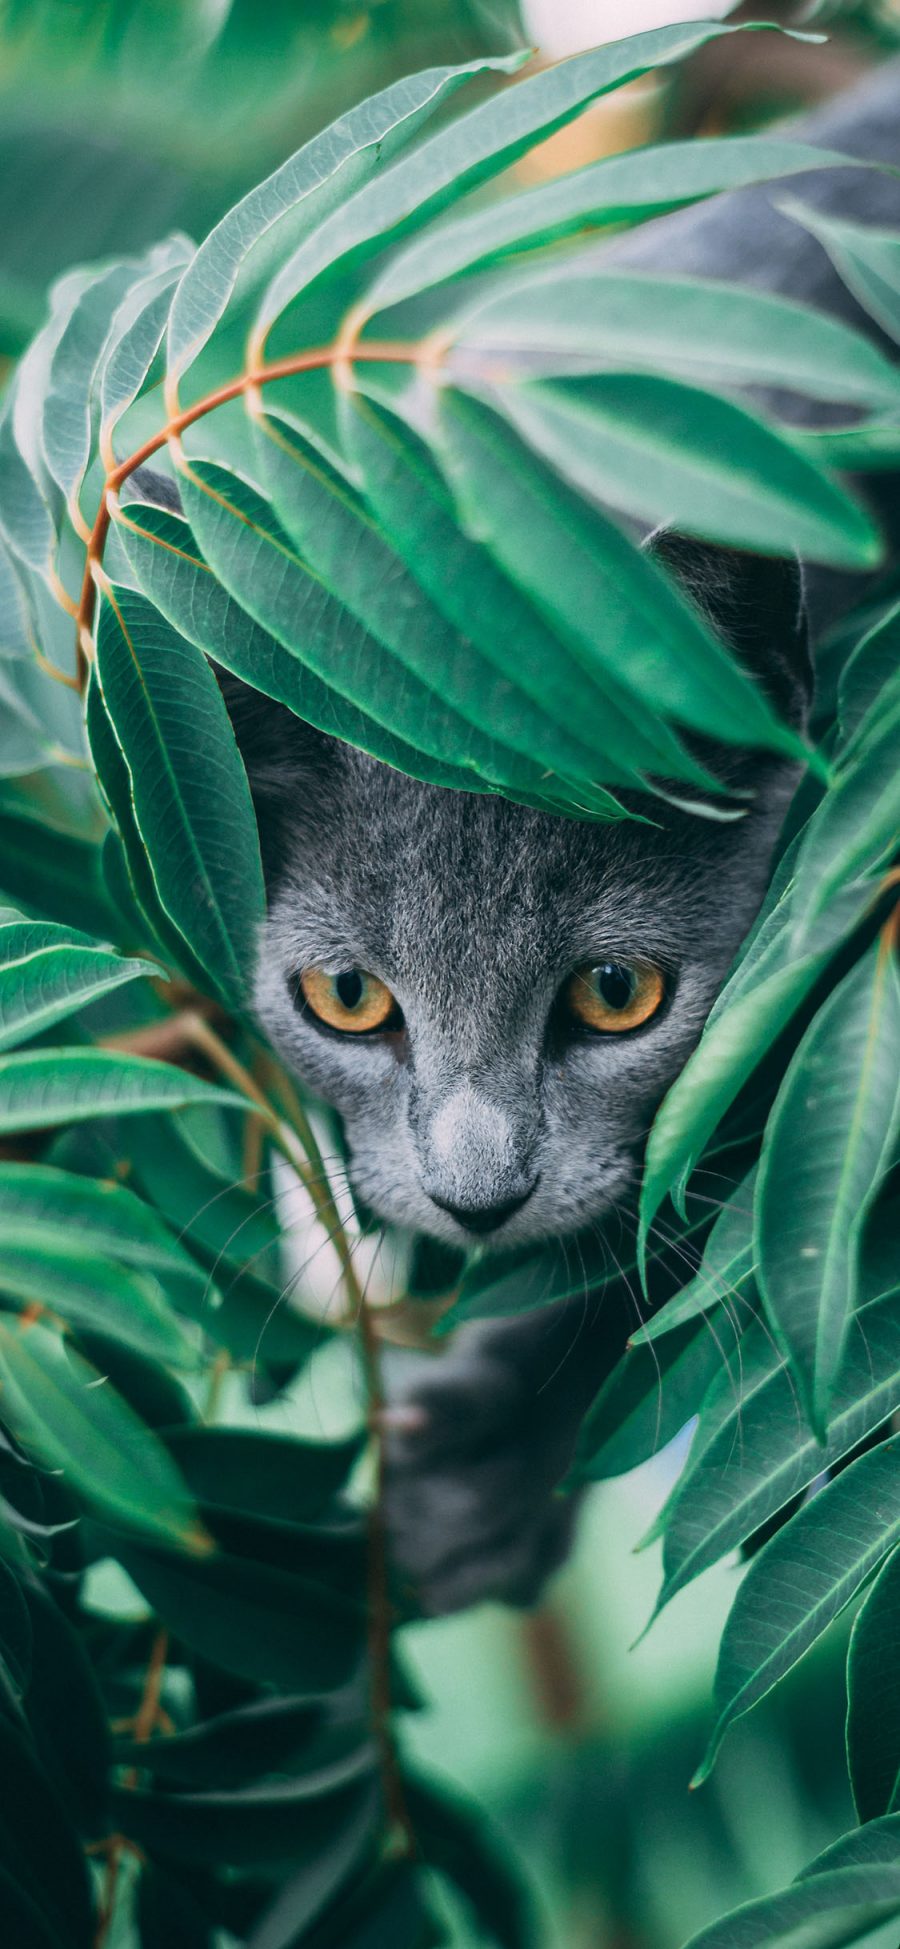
{"x": 478, "y": 1442}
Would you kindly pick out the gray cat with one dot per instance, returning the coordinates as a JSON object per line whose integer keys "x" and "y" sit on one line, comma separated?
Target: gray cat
{"x": 496, "y": 1000}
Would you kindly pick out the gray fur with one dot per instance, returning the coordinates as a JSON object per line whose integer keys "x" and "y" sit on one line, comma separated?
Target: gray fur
{"x": 474, "y": 911}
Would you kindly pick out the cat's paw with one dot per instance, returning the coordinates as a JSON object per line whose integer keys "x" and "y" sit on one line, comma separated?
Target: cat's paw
{"x": 473, "y": 1461}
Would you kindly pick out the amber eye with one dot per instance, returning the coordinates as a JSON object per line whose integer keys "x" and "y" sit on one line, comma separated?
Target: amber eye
{"x": 614, "y": 995}
{"x": 352, "y": 1001}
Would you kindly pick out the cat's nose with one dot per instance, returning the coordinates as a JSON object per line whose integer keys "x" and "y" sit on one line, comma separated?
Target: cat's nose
{"x": 484, "y": 1218}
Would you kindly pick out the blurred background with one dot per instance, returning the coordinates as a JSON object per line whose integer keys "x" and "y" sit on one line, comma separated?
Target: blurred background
{"x": 121, "y": 120}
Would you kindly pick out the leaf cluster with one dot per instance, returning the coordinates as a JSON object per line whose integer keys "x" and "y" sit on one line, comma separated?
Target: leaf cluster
{"x": 410, "y": 454}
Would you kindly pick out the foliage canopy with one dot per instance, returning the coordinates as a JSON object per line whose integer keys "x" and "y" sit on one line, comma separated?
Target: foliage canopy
{"x": 403, "y": 518}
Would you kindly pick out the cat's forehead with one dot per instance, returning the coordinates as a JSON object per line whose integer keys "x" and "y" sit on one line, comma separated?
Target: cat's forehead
{"x": 415, "y": 871}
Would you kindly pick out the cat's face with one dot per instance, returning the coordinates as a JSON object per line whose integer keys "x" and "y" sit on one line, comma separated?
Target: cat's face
{"x": 465, "y": 1072}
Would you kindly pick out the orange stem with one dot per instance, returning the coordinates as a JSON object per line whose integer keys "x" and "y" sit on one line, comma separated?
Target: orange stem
{"x": 317, "y": 357}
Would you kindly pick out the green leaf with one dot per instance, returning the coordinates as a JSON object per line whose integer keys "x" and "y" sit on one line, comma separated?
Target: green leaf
{"x": 857, "y": 825}
{"x": 828, "y": 1143}
{"x": 260, "y": 230}
{"x": 802, "y": 1579}
{"x": 15, "y": 1633}
{"x": 46, "y": 975}
{"x": 304, "y": 1897}
{"x": 753, "y": 1008}
{"x": 335, "y": 534}
{"x": 725, "y": 1277}
{"x": 173, "y": 573}
{"x": 609, "y": 601}
{"x": 648, "y": 1398}
{"x": 138, "y": 894}
{"x": 97, "y": 1217}
{"x": 593, "y": 318}
{"x": 62, "y": 1411}
{"x": 867, "y": 258}
{"x": 821, "y": 1910}
{"x": 866, "y": 674}
{"x": 67, "y": 404}
{"x": 752, "y": 1453}
{"x": 454, "y": 1838}
{"x": 55, "y": 873}
{"x": 642, "y": 182}
{"x": 55, "y": 1086}
{"x": 137, "y": 331}
{"x": 268, "y": 1736}
{"x": 15, "y": 622}
{"x": 86, "y": 1290}
{"x": 478, "y": 599}
{"x": 252, "y": 555}
{"x": 262, "y": 1623}
{"x": 475, "y": 146}
{"x": 190, "y": 793}
{"x": 264, "y": 1473}
{"x": 66, "y": 1713}
{"x": 668, "y": 452}
{"x": 259, "y": 1827}
{"x": 873, "y": 1697}
{"x": 41, "y": 1849}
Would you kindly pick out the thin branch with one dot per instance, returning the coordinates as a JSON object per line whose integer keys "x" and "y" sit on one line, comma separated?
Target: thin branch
{"x": 313, "y": 359}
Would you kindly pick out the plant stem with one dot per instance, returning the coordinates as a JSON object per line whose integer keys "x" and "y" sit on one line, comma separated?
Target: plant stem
{"x": 297, "y": 1141}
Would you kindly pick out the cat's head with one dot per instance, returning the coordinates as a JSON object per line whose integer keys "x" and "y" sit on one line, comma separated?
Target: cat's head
{"x": 496, "y": 999}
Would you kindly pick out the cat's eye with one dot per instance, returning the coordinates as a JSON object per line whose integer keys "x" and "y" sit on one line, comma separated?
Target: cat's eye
{"x": 611, "y": 997}
{"x": 351, "y": 1002}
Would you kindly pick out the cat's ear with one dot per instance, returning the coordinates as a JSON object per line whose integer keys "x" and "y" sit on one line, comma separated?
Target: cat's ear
{"x": 757, "y": 604}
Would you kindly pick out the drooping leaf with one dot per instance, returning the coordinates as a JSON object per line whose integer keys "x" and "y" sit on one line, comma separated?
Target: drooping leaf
{"x": 802, "y": 1579}
{"x": 46, "y": 974}
{"x": 649, "y": 1397}
{"x": 725, "y": 1277}
{"x": 475, "y": 146}
{"x": 609, "y": 601}
{"x": 828, "y": 1142}
{"x": 264, "y": 1473}
{"x": 67, "y": 406}
{"x": 263, "y": 227}
{"x": 333, "y": 531}
{"x": 86, "y": 1290}
{"x": 867, "y": 257}
{"x": 255, "y": 559}
{"x": 262, "y": 1623}
{"x": 873, "y": 1698}
{"x": 267, "y": 1736}
{"x": 271, "y": 1825}
{"x": 96, "y": 1216}
{"x": 61, "y": 1410}
{"x": 857, "y": 825}
{"x": 753, "y": 1453}
{"x": 595, "y": 318}
{"x": 471, "y": 591}
{"x": 837, "y": 1901}
{"x": 643, "y": 182}
{"x": 190, "y": 793}
{"x": 52, "y": 1086}
{"x": 668, "y": 452}
{"x": 300, "y": 1902}
{"x": 866, "y": 673}
{"x": 759, "y": 1001}
{"x": 54, "y": 873}
{"x": 173, "y": 573}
